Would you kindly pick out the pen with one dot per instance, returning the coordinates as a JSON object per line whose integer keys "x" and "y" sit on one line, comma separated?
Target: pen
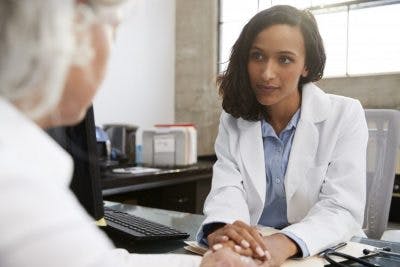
{"x": 334, "y": 248}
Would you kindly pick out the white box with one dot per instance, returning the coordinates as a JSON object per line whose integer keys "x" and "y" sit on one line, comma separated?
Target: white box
{"x": 170, "y": 146}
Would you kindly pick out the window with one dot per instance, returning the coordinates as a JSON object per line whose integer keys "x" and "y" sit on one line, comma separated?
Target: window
{"x": 233, "y": 16}
{"x": 333, "y": 29}
{"x": 374, "y": 42}
{"x": 360, "y": 37}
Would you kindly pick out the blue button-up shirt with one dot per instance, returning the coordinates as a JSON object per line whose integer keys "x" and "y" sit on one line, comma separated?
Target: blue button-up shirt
{"x": 276, "y": 155}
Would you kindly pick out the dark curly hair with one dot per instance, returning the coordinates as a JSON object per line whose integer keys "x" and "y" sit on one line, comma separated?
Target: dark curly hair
{"x": 238, "y": 98}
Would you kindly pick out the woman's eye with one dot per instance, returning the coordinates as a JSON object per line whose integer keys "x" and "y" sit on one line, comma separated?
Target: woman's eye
{"x": 255, "y": 55}
{"x": 285, "y": 60}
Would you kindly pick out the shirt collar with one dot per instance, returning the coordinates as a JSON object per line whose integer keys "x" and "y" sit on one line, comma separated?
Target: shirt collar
{"x": 267, "y": 130}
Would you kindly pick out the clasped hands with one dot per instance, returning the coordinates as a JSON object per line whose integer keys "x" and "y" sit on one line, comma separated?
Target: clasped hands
{"x": 248, "y": 241}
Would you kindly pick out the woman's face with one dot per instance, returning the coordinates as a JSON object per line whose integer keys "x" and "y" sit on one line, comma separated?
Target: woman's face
{"x": 83, "y": 81}
{"x": 276, "y": 63}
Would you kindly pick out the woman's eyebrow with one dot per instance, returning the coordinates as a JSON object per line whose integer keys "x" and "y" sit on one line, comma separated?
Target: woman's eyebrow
{"x": 280, "y": 52}
{"x": 254, "y": 47}
{"x": 287, "y": 52}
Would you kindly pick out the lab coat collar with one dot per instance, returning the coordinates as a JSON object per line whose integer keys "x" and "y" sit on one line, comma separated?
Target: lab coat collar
{"x": 315, "y": 104}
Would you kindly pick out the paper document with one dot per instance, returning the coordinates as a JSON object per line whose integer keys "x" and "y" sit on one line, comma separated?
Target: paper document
{"x": 135, "y": 170}
{"x": 195, "y": 247}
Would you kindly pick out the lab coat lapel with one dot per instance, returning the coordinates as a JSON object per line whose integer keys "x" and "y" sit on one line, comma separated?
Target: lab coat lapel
{"x": 252, "y": 154}
{"x": 315, "y": 108}
{"x": 302, "y": 154}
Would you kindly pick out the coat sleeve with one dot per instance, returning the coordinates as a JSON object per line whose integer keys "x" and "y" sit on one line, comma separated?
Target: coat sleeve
{"x": 338, "y": 214}
{"x": 226, "y": 201}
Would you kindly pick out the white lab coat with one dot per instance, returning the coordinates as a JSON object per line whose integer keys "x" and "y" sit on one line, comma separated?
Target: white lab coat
{"x": 42, "y": 223}
{"x": 325, "y": 180}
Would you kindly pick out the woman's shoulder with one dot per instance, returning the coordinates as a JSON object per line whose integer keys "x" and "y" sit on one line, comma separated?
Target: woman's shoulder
{"x": 336, "y": 102}
{"x": 234, "y": 123}
{"x": 344, "y": 104}
{"x": 318, "y": 106}
{"x": 346, "y": 111}
{"x": 343, "y": 100}
{"x": 315, "y": 93}
{"x": 228, "y": 119}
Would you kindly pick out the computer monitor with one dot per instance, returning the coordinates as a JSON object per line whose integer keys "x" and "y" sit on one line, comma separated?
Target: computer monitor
{"x": 80, "y": 142}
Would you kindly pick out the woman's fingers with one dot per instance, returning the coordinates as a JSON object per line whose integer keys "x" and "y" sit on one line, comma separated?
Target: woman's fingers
{"x": 259, "y": 241}
{"x": 256, "y": 243}
{"x": 233, "y": 246}
{"x": 237, "y": 234}
{"x": 221, "y": 238}
{"x": 225, "y": 233}
{"x": 253, "y": 237}
{"x": 217, "y": 236}
{"x": 243, "y": 239}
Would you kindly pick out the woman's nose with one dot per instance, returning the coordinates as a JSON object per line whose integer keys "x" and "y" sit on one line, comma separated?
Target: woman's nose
{"x": 268, "y": 71}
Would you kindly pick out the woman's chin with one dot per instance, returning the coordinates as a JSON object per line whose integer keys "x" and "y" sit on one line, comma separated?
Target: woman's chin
{"x": 266, "y": 101}
{"x": 65, "y": 119}
{"x": 74, "y": 118}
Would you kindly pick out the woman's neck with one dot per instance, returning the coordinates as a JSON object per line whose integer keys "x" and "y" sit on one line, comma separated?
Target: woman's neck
{"x": 279, "y": 115}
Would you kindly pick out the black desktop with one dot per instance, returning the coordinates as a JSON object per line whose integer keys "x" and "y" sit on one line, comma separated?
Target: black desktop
{"x": 80, "y": 142}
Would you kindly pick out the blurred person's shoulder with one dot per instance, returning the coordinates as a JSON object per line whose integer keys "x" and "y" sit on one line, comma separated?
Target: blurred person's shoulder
{"x": 27, "y": 152}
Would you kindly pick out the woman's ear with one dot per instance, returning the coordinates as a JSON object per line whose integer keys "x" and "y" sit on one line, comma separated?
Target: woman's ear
{"x": 305, "y": 72}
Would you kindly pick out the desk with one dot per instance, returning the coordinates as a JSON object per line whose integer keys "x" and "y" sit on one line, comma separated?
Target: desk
{"x": 188, "y": 223}
{"x": 182, "y": 189}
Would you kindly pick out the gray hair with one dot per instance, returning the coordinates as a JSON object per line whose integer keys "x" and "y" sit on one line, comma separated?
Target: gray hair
{"x": 37, "y": 47}
{"x": 36, "y": 43}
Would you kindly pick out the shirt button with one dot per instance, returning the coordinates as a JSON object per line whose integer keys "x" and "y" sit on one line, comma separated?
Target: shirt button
{"x": 277, "y": 180}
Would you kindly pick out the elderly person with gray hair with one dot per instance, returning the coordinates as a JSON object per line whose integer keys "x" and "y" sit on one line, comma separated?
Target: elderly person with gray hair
{"x": 52, "y": 59}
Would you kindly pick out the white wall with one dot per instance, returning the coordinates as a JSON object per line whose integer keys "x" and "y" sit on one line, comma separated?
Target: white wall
{"x": 139, "y": 85}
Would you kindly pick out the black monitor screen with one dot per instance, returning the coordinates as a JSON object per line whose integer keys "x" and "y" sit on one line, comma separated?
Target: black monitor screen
{"x": 80, "y": 142}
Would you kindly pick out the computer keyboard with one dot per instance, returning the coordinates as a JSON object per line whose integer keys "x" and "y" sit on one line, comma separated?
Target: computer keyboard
{"x": 139, "y": 228}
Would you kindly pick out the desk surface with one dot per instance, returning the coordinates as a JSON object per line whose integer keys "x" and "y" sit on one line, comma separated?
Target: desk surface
{"x": 116, "y": 183}
{"x": 189, "y": 223}
{"x": 185, "y": 222}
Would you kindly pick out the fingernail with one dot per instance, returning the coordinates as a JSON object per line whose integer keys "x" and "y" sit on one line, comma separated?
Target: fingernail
{"x": 217, "y": 246}
{"x": 225, "y": 238}
{"x": 267, "y": 255}
{"x": 237, "y": 248}
{"x": 260, "y": 252}
{"x": 245, "y": 243}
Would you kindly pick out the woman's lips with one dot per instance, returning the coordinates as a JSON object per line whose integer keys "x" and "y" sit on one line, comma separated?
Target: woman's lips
{"x": 267, "y": 88}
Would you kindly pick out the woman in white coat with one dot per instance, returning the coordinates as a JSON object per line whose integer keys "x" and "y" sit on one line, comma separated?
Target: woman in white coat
{"x": 289, "y": 156}
{"x": 52, "y": 58}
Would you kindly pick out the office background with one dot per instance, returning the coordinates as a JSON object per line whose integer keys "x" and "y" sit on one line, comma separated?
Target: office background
{"x": 175, "y": 80}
